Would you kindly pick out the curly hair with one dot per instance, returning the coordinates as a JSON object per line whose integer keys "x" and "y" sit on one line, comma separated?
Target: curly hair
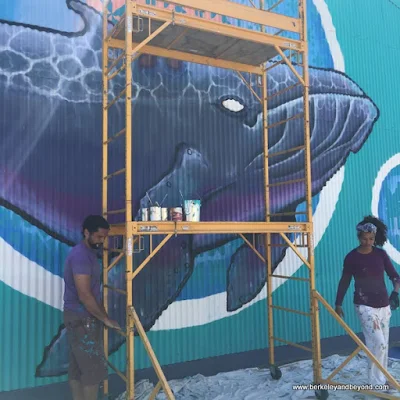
{"x": 93, "y": 222}
{"x": 381, "y": 229}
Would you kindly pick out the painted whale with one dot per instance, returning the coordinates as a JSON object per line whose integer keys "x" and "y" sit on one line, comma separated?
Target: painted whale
{"x": 197, "y": 131}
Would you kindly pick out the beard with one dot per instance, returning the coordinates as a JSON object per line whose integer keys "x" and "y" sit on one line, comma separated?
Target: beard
{"x": 95, "y": 246}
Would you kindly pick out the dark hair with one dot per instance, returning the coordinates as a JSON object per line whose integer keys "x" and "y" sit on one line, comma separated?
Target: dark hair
{"x": 93, "y": 223}
{"x": 381, "y": 229}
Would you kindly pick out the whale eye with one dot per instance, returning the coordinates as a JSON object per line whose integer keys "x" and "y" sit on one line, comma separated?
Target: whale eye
{"x": 233, "y": 105}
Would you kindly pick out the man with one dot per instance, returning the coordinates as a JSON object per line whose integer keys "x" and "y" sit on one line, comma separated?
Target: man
{"x": 84, "y": 312}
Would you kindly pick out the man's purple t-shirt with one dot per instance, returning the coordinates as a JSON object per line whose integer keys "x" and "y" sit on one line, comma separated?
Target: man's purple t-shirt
{"x": 81, "y": 260}
{"x": 368, "y": 271}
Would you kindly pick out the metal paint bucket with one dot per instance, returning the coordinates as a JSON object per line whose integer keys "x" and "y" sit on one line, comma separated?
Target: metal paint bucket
{"x": 164, "y": 214}
{"x": 144, "y": 214}
{"x": 192, "y": 210}
{"x": 155, "y": 213}
{"x": 176, "y": 214}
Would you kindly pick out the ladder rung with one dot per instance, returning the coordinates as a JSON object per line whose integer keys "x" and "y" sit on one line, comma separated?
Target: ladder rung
{"x": 114, "y": 74}
{"x": 279, "y": 153}
{"x": 117, "y": 371}
{"x": 291, "y": 310}
{"x": 115, "y": 62}
{"x": 275, "y": 5}
{"x": 292, "y": 344}
{"x": 285, "y": 120}
{"x": 294, "y": 278}
{"x": 117, "y": 229}
{"x": 285, "y": 245}
{"x": 115, "y": 100}
{"x": 117, "y": 28}
{"x": 121, "y": 291}
{"x": 288, "y": 213}
{"x": 279, "y": 32}
{"x": 286, "y": 182}
{"x": 113, "y": 212}
{"x": 121, "y": 333}
{"x": 114, "y": 250}
{"x": 119, "y": 172}
{"x": 115, "y": 262}
{"x": 284, "y": 90}
{"x": 275, "y": 65}
{"x": 116, "y": 136}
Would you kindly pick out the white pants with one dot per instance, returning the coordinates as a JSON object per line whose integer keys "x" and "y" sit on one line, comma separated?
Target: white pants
{"x": 375, "y": 324}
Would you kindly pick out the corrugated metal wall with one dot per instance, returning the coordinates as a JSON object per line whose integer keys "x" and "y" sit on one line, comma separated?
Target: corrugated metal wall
{"x": 188, "y": 139}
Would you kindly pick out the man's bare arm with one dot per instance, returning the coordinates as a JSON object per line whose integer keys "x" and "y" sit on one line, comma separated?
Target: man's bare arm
{"x": 82, "y": 284}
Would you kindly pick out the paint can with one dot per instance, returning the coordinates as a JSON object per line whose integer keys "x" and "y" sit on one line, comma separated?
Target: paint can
{"x": 176, "y": 214}
{"x": 144, "y": 214}
{"x": 164, "y": 214}
{"x": 155, "y": 213}
{"x": 192, "y": 210}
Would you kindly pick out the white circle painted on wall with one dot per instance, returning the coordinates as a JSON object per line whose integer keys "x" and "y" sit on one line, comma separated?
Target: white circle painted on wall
{"x": 387, "y": 182}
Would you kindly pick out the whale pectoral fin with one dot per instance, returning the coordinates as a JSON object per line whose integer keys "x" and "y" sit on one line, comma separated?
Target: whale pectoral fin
{"x": 246, "y": 277}
{"x": 55, "y": 356}
{"x": 155, "y": 287}
{"x": 247, "y": 272}
{"x": 159, "y": 283}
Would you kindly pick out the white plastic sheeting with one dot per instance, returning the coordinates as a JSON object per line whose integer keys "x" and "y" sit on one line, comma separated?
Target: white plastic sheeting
{"x": 257, "y": 384}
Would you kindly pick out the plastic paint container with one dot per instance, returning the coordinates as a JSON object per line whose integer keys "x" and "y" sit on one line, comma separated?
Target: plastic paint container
{"x": 192, "y": 210}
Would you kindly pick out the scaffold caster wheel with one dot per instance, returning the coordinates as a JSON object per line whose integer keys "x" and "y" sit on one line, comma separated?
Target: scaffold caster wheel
{"x": 276, "y": 373}
{"x": 321, "y": 394}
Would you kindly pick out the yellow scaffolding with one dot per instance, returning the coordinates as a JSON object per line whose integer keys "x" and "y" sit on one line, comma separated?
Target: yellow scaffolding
{"x": 146, "y": 29}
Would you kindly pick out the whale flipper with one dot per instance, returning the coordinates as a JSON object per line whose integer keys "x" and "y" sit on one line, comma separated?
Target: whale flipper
{"x": 247, "y": 273}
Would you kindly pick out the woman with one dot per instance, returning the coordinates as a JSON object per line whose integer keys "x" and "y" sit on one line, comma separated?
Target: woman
{"x": 368, "y": 264}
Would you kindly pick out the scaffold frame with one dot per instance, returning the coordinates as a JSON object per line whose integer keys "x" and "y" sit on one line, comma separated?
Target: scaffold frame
{"x": 266, "y": 47}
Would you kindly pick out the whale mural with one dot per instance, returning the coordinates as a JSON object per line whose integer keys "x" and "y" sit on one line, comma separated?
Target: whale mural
{"x": 188, "y": 139}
